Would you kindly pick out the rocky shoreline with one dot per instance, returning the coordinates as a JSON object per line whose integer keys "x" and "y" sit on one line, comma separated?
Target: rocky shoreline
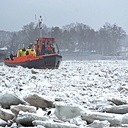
{"x": 35, "y": 111}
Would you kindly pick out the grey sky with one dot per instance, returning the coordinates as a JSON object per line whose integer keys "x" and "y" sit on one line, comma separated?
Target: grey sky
{"x": 95, "y": 13}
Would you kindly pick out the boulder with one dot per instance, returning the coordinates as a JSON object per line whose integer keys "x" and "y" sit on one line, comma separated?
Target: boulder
{"x": 6, "y": 114}
{"x": 6, "y": 100}
{"x": 14, "y": 125}
{"x": 25, "y": 108}
{"x": 38, "y": 101}
{"x": 50, "y": 124}
{"x": 25, "y": 118}
{"x": 114, "y": 119}
{"x": 78, "y": 121}
{"x": 3, "y": 123}
{"x": 125, "y": 119}
{"x": 121, "y": 109}
{"x": 118, "y": 101}
{"x": 100, "y": 124}
{"x": 65, "y": 112}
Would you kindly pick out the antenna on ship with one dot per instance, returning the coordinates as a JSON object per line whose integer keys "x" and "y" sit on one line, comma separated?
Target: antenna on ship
{"x": 35, "y": 18}
{"x": 40, "y": 26}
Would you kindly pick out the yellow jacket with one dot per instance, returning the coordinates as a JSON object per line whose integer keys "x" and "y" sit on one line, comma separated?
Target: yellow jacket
{"x": 19, "y": 53}
{"x": 28, "y": 50}
{"x": 32, "y": 52}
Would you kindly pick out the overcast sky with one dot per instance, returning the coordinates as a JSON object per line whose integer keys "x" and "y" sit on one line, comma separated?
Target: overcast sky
{"x": 14, "y": 14}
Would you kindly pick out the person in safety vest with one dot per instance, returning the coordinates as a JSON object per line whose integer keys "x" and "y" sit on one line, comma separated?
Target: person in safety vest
{"x": 28, "y": 50}
{"x": 23, "y": 53}
{"x": 38, "y": 47}
{"x": 49, "y": 49}
{"x": 32, "y": 52}
{"x": 19, "y": 53}
{"x": 43, "y": 49}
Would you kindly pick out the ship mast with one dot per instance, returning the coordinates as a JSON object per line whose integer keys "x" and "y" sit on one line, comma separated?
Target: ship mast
{"x": 40, "y": 26}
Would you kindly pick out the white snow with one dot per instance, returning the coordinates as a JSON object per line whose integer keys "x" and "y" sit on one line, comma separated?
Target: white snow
{"x": 86, "y": 84}
{"x": 82, "y": 83}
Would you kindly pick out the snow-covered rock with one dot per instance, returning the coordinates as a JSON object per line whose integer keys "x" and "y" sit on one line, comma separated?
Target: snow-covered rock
{"x": 38, "y": 101}
{"x": 51, "y": 124}
{"x": 6, "y": 114}
{"x": 65, "y": 112}
{"x": 3, "y": 123}
{"x": 114, "y": 119}
{"x": 118, "y": 101}
{"x": 14, "y": 125}
{"x": 8, "y": 99}
{"x": 25, "y": 108}
{"x": 121, "y": 109}
{"x": 125, "y": 119}
{"x": 100, "y": 124}
{"x": 25, "y": 118}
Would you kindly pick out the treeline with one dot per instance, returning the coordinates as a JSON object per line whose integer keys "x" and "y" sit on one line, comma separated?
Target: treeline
{"x": 76, "y": 37}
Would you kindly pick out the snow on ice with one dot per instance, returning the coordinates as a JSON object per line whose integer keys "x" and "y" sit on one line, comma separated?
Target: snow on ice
{"x": 92, "y": 85}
